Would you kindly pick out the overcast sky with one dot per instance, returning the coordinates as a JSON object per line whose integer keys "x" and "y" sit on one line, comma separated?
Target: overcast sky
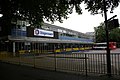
{"x": 85, "y": 22}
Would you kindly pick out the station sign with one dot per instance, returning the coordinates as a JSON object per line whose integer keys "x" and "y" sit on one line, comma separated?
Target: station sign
{"x": 113, "y": 24}
{"x": 45, "y": 33}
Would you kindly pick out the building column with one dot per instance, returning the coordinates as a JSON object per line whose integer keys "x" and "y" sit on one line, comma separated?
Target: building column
{"x": 14, "y": 49}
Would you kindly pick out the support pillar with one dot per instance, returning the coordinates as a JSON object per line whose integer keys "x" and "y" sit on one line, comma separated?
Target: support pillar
{"x": 14, "y": 49}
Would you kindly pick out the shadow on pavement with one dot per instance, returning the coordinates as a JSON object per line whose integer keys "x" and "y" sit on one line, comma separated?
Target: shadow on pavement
{"x": 17, "y": 72}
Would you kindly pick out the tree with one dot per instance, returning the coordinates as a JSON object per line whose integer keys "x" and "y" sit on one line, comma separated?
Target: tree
{"x": 51, "y": 10}
{"x": 100, "y": 34}
{"x": 115, "y": 35}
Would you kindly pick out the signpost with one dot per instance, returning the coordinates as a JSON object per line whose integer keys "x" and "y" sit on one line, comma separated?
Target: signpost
{"x": 113, "y": 23}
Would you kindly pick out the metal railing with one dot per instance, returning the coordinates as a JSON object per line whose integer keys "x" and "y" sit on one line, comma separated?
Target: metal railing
{"x": 74, "y": 62}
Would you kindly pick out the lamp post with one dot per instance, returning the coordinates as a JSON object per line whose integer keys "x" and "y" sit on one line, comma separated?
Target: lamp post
{"x": 107, "y": 39}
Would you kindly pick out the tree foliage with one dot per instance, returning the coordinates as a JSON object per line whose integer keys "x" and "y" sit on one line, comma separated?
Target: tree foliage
{"x": 115, "y": 35}
{"x": 100, "y": 34}
{"x": 51, "y": 10}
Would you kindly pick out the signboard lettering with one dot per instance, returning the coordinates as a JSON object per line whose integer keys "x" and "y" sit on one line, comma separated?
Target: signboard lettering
{"x": 40, "y": 32}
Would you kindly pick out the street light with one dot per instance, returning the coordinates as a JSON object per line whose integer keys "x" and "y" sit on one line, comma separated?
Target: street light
{"x": 107, "y": 39}
{"x": 1, "y": 15}
{"x": 112, "y": 23}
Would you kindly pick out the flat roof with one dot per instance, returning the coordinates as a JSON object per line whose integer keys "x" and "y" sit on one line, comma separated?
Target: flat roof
{"x": 46, "y": 40}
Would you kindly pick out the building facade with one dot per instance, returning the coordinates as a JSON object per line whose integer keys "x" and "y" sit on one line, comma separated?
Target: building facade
{"x": 21, "y": 35}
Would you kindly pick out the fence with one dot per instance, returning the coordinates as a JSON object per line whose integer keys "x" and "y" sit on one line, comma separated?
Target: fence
{"x": 75, "y": 62}
{"x": 79, "y": 62}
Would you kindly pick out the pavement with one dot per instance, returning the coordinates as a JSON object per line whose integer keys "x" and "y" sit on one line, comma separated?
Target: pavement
{"x": 21, "y": 72}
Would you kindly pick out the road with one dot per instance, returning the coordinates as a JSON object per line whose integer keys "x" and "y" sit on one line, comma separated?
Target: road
{"x": 104, "y": 51}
